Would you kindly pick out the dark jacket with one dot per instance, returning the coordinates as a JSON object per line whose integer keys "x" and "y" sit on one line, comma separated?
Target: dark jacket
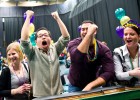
{"x": 5, "y": 82}
{"x": 5, "y": 85}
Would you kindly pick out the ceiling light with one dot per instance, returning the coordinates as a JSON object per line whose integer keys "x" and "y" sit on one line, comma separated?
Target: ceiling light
{"x": 4, "y": 0}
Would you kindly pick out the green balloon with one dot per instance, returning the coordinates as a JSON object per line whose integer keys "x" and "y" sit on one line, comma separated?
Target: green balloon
{"x": 32, "y": 39}
{"x": 119, "y": 13}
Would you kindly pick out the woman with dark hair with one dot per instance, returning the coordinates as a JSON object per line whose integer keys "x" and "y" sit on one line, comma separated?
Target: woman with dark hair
{"x": 127, "y": 57}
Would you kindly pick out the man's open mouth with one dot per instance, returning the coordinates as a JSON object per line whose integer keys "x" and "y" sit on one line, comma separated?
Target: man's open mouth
{"x": 44, "y": 43}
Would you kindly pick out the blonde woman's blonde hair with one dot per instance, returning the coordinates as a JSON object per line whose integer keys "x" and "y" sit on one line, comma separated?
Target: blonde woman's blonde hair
{"x": 16, "y": 46}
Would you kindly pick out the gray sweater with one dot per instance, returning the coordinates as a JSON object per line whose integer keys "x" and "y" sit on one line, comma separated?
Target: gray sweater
{"x": 44, "y": 68}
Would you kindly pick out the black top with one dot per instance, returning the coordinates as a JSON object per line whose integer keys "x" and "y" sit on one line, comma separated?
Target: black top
{"x": 5, "y": 85}
{"x": 5, "y": 82}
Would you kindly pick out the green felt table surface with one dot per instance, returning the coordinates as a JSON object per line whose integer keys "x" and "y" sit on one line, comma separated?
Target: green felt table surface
{"x": 108, "y": 93}
{"x": 125, "y": 95}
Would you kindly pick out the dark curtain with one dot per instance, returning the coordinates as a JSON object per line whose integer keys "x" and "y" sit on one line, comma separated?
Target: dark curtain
{"x": 99, "y": 11}
{"x": 12, "y": 11}
{"x": 49, "y": 22}
{"x": 43, "y": 17}
{"x": 1, "y": 31}
{"x": 13, "y": 29}
{"x": 1, "y": 36}
{"x": 102, "y": 12}
{"x": 14, "y": 20}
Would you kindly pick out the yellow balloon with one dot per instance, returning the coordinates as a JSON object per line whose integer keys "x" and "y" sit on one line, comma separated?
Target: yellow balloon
{"x": 32, "y": 29}
{"x": 124, "y": 20}
{"x": 52, "y": 42}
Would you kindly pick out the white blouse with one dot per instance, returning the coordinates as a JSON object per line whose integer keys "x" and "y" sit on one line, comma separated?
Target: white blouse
{"x": 118, "y": 66}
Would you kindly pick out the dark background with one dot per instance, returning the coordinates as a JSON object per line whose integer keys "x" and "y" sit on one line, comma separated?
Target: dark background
{"x": 102, "y": 12}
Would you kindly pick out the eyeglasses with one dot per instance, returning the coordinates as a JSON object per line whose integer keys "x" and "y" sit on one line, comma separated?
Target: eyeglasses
{"x": 41, "y": 35}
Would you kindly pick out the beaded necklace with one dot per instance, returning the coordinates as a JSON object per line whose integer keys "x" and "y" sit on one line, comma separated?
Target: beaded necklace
{"x": 21, "y": 82}
{"x": 95, "y": 52}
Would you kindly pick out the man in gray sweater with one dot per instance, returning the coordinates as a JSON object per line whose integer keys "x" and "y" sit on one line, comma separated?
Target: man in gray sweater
{"x": 43, "y": 59}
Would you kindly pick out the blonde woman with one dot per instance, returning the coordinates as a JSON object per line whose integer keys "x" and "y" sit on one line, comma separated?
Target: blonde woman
{"x": 14, "y": 79}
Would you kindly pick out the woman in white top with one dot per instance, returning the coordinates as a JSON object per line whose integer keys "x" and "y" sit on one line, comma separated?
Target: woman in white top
{"x": 127, "y": 57}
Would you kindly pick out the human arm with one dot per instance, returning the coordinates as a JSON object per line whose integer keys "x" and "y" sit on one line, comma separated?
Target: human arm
{"x": 21, "y": 89}
{"x": 61, "y": 25}
{"x": 120, "y": 74}
{"x": 25, "y": 43}
{"x": 75, "y": 54}
{"x": 107, "y": 67}
{"x": 98, "y": 82}
{"x": 135, "y": 73}
{"x": 84, "y": 45}
{"x": 25, "y": 29}
{"x": 5, "y": 85}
